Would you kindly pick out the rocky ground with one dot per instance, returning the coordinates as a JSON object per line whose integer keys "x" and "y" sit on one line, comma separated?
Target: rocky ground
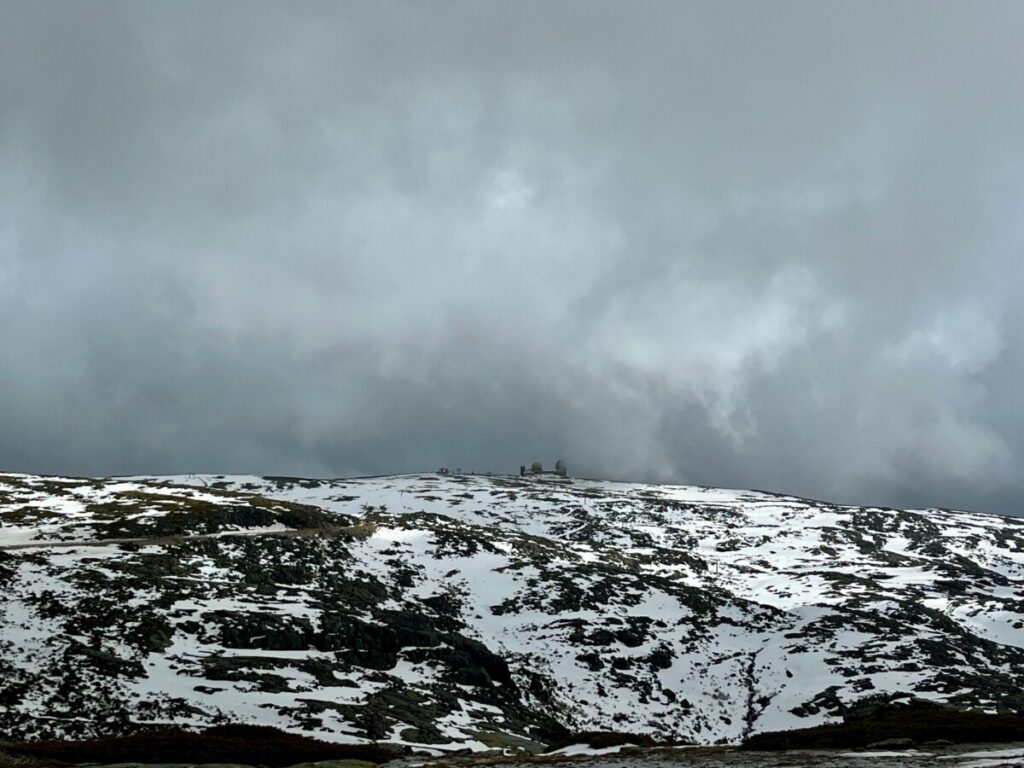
{"x": 471, "y": 612}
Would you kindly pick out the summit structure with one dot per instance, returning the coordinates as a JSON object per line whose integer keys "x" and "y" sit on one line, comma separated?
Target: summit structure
{"x": 536, "y": 468}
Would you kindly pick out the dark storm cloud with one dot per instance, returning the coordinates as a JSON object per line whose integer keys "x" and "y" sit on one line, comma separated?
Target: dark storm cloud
{"x": 769, "y": 245}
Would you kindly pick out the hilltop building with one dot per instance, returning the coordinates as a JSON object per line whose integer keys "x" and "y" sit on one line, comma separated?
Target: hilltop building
{"x": 536, "y": 468}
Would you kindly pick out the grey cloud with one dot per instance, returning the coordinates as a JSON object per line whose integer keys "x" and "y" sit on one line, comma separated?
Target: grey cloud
{"x": 770, "y": 246}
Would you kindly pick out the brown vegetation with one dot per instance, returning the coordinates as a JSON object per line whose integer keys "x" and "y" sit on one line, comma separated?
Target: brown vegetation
{"x": 913, "y": 724}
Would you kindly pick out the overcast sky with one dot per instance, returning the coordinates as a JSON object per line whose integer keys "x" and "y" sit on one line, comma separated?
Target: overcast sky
{"x": 771, "y": 245}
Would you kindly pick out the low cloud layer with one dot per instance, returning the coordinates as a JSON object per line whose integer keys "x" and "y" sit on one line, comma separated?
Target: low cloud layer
{"x": 752, "y": 245}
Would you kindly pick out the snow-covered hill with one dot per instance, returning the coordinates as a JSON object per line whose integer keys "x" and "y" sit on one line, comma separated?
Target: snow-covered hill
{"x": 470, "y": 611}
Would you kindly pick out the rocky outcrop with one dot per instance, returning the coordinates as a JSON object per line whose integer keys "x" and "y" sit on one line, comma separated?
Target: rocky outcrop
{"x": 461, "y": 612}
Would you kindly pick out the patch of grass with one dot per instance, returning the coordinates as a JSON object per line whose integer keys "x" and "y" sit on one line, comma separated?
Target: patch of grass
{"x": 7, "y": 760}
{"x": 360, "y": 531}
{"x": 25, "y": 515}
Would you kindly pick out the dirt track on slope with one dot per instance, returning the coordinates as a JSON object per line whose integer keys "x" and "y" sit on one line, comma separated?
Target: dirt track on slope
{"x": 359, "y": 531}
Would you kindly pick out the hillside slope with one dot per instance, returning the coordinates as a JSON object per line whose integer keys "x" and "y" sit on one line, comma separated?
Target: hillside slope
{"x": 469, "y": 611}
